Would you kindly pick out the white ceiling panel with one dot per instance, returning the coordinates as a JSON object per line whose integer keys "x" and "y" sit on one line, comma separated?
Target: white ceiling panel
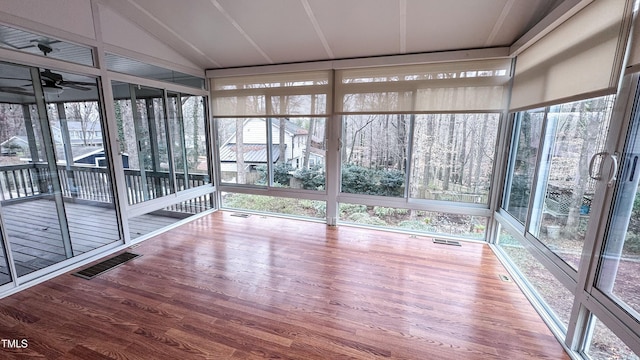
{"x": 201, "y": 24}
{"x": 287, "y": 20}
{"x": 357, "y": 28}
{"x": 234, "y": 33}
{"x": 119, "y": 31}
{"x": 434, "y": 25}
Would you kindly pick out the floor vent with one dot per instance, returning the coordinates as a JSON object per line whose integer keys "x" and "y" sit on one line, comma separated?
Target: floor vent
{"x": 446, "y": 242}
{"x": 504, "y": 278}
{"x": 104, "y": 266}
{"x": 240, "y": 215}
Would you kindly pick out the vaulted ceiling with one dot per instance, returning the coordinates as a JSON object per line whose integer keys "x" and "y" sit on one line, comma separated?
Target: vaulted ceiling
{"x": 232, "y": 33}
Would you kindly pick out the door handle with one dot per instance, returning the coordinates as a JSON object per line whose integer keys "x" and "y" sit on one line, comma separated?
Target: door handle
{"x": 614, "y": 173}
{"x": 597, "y": 176}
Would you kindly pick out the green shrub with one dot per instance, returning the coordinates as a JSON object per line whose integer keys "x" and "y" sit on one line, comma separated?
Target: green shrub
{"x": 281, "y": 174}
{"x": 360, "y": 180}
{"x": 391, "y": 183}
{"x": 632, "y": 243}
{"x": 312, "y": 178}
{"x": 348, "y": 209}
{"x": 383, "y": 211}
{"x": 364, "y": 218}
{"x": 321, "y": 208}
{"x": 416, "y": 225}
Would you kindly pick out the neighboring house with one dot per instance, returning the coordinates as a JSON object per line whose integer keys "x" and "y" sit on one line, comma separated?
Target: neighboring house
{"x": 255, "y": 146}
{"x": 14, "y": 145}
{"x": 95, "y": 156}
{"x": 89, "y": 155}
{"x": 79, "y": 138}
{"x": 91, "y": 135}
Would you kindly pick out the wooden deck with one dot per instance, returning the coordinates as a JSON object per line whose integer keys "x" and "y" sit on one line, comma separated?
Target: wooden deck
{"x": 224, "y": 287}
{"x": 34, "y": 231}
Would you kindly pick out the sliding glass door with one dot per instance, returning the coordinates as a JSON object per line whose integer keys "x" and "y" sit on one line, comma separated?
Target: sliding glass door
{"x": 5, "y": 273}
{"x": 619, "y": 269}
{"x": 56, "y": 194}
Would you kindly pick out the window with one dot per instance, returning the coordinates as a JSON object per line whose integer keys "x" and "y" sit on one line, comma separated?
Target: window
{"x": 242, "y": 149}
{"x": 295, "y": 142}
{"x": 549, "y": 290}
{"x": 428, "y": 222}
{"x": 374, "y": 154}
{"x": 163, "y": 144}
{"x": 522, "y": 164}
{"x": 271, "y": 132}
{"x": 453, "y": 157}
{"x": 425, "y": 132}
{"x": 562, "y": 200}
{"x": 187, "y": 130}
{"x": 275, "y": 204}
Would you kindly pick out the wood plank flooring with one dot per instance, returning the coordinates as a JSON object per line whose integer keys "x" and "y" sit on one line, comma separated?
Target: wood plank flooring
{"x": 224, "y": 287}
{"x": 36, "y": 241}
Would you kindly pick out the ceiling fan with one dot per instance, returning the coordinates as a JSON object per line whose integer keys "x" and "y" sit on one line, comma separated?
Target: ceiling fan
{"x": 52, "y": 82}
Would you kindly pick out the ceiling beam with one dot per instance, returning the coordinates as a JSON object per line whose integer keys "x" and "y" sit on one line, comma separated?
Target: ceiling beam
{"x": 403, "y": 26}
{"x": 133, "y": 12}
{"x": 316, "y": 27}
{"x": 235, "y": 24}
{"x": 506, "y": 9}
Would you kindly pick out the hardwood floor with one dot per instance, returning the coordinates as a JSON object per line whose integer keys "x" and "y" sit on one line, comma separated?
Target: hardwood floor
{"x": 224, "y": 287}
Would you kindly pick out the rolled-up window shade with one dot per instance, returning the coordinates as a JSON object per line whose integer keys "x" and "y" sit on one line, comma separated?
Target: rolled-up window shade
{"x": 478, "y": 85}
{"x": 580, "y": 58}
{"x": 272, "y": 94}
{"x": 633, "y": 65}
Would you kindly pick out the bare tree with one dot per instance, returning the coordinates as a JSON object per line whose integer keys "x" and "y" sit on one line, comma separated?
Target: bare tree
{"x": 589, "y": 125}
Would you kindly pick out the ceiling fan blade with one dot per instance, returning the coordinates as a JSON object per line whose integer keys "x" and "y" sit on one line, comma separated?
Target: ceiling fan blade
{"x": 79, "y": 83}
{"x": 12, "y": 78}
{"x": 15, "y": 90}
{"x": 73, "y": 85}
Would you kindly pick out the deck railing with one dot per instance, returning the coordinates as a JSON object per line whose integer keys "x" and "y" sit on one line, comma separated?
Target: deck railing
{"x": 24, "y": 181}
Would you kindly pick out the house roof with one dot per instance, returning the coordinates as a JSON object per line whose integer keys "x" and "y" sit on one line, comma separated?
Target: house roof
{"x": 78, "y": 152}
{"x": 13, "y": 139}
{"x": 292, "y": 127}
{"x": 253, "y": 153}
{"x": 74, "y": 125}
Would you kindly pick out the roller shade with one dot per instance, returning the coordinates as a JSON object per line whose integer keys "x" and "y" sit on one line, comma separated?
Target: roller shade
{"x": 440, "y": 87}
{"x": 633, "y": 65}
{"x": 580, "y": 58}
{"x": 272, "y": 94}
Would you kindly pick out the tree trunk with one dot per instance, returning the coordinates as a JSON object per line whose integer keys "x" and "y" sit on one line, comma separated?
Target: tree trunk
{"x": 591, "y": 129}
{"x": 449, "y": 150}
{"x": 281, "y": 131}
{"x": 281, "y": 143}
{"x": 478, "y": 170}
{"x": 402, "y": 144}
{"x": 462, "y": 159}
{"x": 196, "y": 132}
{"x": 240, "y": 151}
{"x": 312, "y": 129}
{"x": 472, "y": 156}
